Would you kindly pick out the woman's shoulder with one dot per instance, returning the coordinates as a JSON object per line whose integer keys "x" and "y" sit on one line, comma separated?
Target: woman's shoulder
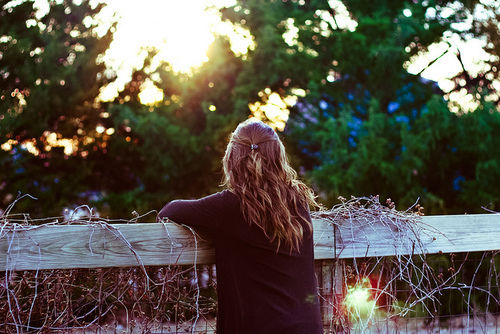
{"x": 222, "y": 198}
{"x": 228, "y": 194}
{"x": 228, "y": 198}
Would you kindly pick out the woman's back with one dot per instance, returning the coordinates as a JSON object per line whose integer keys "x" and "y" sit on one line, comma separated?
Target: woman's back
{"x": 260, "y": 289}
{"x": 263, "y": 238}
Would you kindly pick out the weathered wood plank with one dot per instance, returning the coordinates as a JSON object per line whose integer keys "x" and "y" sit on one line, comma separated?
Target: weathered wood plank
{"x": 447, "y": 234}
{"x": 86, "y": 246}
{"x": 90, "y": 246}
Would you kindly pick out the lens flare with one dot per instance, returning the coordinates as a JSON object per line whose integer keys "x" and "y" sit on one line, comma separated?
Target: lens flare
{"x": 359, "y": 302}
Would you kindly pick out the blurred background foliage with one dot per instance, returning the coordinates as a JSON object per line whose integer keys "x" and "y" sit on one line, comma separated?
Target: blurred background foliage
{"x": 354, "y": 119}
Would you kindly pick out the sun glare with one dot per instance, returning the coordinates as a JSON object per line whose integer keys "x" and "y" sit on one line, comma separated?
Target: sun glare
{"x": 150, "y": 94}
{"x": 359, "y": 302}
{"x": 180, "y": 31}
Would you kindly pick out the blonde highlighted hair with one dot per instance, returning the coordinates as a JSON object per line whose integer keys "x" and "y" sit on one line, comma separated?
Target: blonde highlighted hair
{"x": 257, "y": 170}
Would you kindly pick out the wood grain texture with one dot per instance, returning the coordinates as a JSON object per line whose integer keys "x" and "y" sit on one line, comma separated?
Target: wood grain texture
{"x": 86, "y": 246}
{"x": 446, "y": 234}
{"x": 91, "y": 246}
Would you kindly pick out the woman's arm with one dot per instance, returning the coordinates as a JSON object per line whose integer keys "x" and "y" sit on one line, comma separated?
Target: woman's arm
{"x": 201, "y": 213}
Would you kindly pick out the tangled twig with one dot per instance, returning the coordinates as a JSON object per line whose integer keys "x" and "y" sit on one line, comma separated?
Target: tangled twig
{"x": 63, "y": 300}
{"x": 402, "y": 285}
{"x": 144, "y": 298}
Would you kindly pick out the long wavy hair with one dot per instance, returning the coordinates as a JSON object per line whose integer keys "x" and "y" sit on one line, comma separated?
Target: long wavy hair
{"x": 257, "y": 170}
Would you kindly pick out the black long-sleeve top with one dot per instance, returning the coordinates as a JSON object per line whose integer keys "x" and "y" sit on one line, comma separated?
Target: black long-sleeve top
{"x": 259, "y": 290}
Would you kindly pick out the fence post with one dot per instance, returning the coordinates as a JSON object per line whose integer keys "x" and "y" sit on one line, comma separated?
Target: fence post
{"x": 339, "y": 322}
{"x": 331, "y": 289}
{"x": 324, "y": 269}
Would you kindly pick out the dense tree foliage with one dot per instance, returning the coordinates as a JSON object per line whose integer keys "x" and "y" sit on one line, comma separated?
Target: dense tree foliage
{"x": 172, "y": 149}
{"x": 362, "y": 125}
{"x": 366, "y": 126}
{"x": 50, "y": 81}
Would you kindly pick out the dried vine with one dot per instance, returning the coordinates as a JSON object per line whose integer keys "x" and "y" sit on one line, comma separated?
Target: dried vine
{"x": 181, "y": 299}
{"x": 406, "y": 285}
{"x": 141, "y": 299}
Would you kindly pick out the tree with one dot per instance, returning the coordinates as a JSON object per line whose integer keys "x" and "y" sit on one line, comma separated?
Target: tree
{"x": 484, "y": 25}
{"x": 365, "y": 125}
{"x": 174, "y": 148}
{"x": 362, "y": 124}
{"x": 51, "y": 78}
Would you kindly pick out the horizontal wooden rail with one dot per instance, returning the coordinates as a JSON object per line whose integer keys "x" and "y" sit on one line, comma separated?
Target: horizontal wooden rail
{"x": 123, "y": 245}
{"x": 437, "y": 234}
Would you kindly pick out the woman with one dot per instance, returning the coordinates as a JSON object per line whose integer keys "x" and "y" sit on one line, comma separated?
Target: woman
{"x": 262, "y": 233}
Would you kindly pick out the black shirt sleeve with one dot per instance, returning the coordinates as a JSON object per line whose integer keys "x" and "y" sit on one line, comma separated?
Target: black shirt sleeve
{"x": 201, "y": 213}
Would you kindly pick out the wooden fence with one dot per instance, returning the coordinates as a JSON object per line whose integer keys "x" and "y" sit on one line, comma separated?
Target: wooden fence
{"x": 154, "y": 244}
{"x": 92, "y": 246}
